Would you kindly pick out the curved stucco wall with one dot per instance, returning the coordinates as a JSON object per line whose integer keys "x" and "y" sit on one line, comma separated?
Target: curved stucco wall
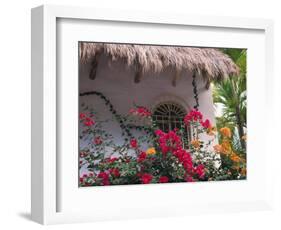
{"x": 116, "y": 82}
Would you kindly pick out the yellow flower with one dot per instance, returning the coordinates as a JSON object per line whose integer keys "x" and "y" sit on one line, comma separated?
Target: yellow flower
{"x": 226, "y": 132}
{"x": 196, "y": 143}
{"x": 150, "y": 151}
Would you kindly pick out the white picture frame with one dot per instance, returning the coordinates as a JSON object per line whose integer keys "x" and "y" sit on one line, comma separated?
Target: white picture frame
{"x": 45, "y": 196}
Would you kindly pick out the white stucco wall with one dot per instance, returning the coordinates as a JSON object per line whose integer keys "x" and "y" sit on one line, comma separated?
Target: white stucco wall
{"x": 116, "y": 82}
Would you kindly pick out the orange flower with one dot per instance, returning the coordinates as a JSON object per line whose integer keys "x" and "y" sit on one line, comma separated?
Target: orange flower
{"x": 223, "y": 148}
{"x": 211, "y": 130}
{"x": 196, "y": 143}
{"x": 226, "y": 132}
{"x": 234, "y": 157}
{"x": 150, "y": 151}
{"x": 218, "y": 148}
{"x": 226, "y": 147}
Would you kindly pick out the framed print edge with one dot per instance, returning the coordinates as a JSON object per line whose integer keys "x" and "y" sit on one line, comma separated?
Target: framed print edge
{"x": 44, "y": 183}
{"x": 37, "y": 115}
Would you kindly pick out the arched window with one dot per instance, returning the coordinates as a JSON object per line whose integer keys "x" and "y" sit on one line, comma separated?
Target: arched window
{"x": 168, "y": 115}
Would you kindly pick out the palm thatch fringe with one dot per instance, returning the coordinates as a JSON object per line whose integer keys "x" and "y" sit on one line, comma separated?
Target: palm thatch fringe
{"x": 210, "y": 63}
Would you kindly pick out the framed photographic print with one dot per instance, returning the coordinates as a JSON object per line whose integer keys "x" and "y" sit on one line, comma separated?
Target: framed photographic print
{"x": 138, "y": 115}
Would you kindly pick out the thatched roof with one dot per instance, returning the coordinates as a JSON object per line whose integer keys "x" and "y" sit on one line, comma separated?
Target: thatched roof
{"x": 210, "y": 63}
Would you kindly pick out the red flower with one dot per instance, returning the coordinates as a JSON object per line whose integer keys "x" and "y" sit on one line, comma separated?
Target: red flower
{"x": 159, "y": 132}
{"x": 127, "y": 160}
{"x": 83, "y": 154}
{"x": 111, "y": 160}
{"x": 146, "y": 178}
{"x": 142, "y": 157}
{"x": 85, "y": 175}
{"x": 193, "y": 115}
{"x": 168, "y": 141}
{"x": 189, "y": 179}
{"x": 163, "y": 179}
{"x": 82, "y": 116}
{"x": 105, "y": 178}
{"x": 88, "y": 121}
{"x": 140, "y": 111}
{"x": 103, "y": 175}
{"x": 164, "y": 148}
{"x": 199, "y": 170}
{"x": 206, "y": 124}
{"x": 81, "y": 179}
{"x": 98, "y": 140}
{"x": 134, "y": 143}
{"x": 105, "y": 182}
{"x": 115, "y": 172}
{"x": 172, "y": 142}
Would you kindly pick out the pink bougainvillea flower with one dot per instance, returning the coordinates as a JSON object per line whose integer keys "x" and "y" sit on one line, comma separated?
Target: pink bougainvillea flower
{"x": 82, "y": 116}
{"x": 168, "y": 141}
{"x": 140, "y": 111}
{"x": 134, "y": 143}
{"x": 111, "y": 160}
{"x": 85, "y": 175}
{"x": 192, "y": 116}
{"x": 146, "y": 178}
{"x": 206, "y": 124}
{"x": 171, "y": 142}
{"x": 88, "y": 121}
{"x": 83, "y": 154}
{"x": 164, "y": 148}
{"x": 189, "y": 179}
{"x": 142, "y": 157}
{"x": 115, "y": 172}
{"x": 163, "y": 179}
{"x": 91, "y": 174}
{"x": 98, "y": 140}
{"x": 127, "y": 160}
{"x": 199, "y": 170}
{"x": 158, "y": 132}
{"x": 105, "y": 178}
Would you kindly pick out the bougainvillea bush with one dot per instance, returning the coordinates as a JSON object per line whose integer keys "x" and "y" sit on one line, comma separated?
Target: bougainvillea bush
{"x": 168, "y": 156}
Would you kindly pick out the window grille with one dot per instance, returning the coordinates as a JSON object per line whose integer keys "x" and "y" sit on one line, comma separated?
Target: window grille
{"x": 168, "y": 116}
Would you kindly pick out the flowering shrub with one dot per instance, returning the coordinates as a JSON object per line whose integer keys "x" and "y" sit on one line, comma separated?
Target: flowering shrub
{"x": 232, "y": 163}
{"x": 168, "y": 157}
{"x": 140, "y": 111}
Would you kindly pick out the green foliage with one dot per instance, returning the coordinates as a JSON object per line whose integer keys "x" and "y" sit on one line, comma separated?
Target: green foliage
{"x": 231, "y": 95}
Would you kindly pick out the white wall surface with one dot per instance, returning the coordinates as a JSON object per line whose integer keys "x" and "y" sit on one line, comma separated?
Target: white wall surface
{"x": 15, "y": 113}
{"x": 116, "y": 81}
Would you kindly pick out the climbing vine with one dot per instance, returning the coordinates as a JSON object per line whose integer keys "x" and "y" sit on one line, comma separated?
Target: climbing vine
{"x": 125, "y": 129}
{"x": 195, "y": 92}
